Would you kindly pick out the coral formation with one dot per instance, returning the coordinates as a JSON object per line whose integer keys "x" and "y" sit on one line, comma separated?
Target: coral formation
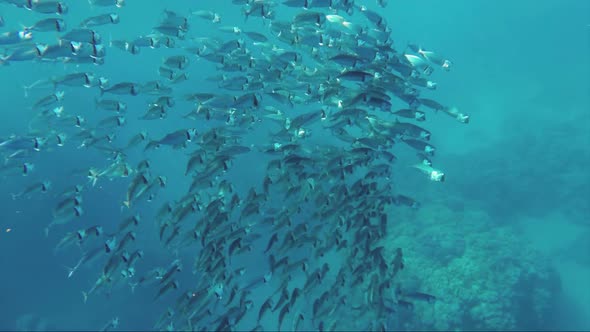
{"x": 483, "y": 276}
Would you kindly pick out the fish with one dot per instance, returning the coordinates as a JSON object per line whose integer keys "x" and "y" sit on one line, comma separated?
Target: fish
{"x": 99, "y": 20}
{"x": 264, "y": 308}
{"x": 207, "y": 15}
{"x": 110, "y": 105}
{"x": 123, "y": 88}
{"x": 63, "y": 217}
{"x": 284, "y": 311}
{"x": 173, "y": 284}
{"x": 82, "y": 35}
{"x": 112, "y": 324}
{"x": 420, "y": 296}
{"x": 48, "y": 7}
{"x": 126, "y": 46}
{"x": 454, "y": 112}
{"x": 177, "y": 139}
{"x": 48, "y": 24}
{"x": 15, "y": 37}
{"x": 407, "y": 201}
{"x": 107, "y": 3}
{"x": 420, "y": 146}
{"x": 139, "y": 184}
{"x": 411, "y": 114}
{"x": 42, "y": 187}
{"x": 433, "y": 174}
{"x": 297, "y": 322}
{"x": 177, "y": 61}
{"x": 81, "y": 79}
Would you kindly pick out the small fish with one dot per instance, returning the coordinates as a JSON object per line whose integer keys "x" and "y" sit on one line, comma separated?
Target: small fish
{"x": 419, "y": 63}
{"x": 230, "y": 29}
{"x": 170, "y": 31}
{"x": 255, "y": 36}
{"x": 411, "y": 114}
{"x": 15, "y": 37}
{"x": 124, "y": 88}
{"x": 129, "y": 47}
{"x": 107, "y": 3}
{"x": 454, "y": 112}
{"x": 175, "y": 139}
{"x": 125, "y": 223}
{"x": 110, "y": 105}
{"x": 264, "y": 308}
{"x": 432, "y": 173}
{"x": 103, "y": 19}
{"x": 176, "y": 61}
{"x": 284, "y": 311}
{"x": 282, "y": 300}
{"x": 49, "y": 7}
{"x": 49, "y": 100}
{"x": 83, "y": 36}
{"x": 407, "y": 201}
{"x": 436, "y": 59}
{"x": 75, "y": 80}
{"x": 208, "y": 15}
{"x": 273, "y": 239}
{"x": 64, "y": 217}
{"x": 297, "y": 321}
{"x": 420, "y": 296}
{"x": 41, "y": 187}
{"x": 49, "y": 24}
{"x": 420, "y": 146}
{"x": 398, "y": 261}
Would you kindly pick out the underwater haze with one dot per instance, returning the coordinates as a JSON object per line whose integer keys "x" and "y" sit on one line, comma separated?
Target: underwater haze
{"x": 264, "y": 165}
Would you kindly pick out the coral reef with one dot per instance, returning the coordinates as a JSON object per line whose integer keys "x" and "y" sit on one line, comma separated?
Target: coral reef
{"x": 483, "y": 276}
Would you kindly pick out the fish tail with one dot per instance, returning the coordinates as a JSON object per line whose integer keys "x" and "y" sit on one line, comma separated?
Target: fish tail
{"x": 93, "y": 176}
{"x": 126, "y": 203}
{"x": 27, "y": 89}
{"x": 70, "y": 270}
{"x": 85, "y": 295}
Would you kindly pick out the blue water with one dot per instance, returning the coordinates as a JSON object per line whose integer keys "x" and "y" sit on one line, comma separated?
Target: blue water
{"x": 516, "y": 198}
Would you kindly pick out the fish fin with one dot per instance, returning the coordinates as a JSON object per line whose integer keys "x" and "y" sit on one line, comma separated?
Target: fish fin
{"x": 93, "y": 176}
{"x": 70, "y": 270}
{"x": 27, "y": 89}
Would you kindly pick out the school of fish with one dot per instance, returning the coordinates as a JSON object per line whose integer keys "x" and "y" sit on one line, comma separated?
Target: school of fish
{"x": 320, "y": 80}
